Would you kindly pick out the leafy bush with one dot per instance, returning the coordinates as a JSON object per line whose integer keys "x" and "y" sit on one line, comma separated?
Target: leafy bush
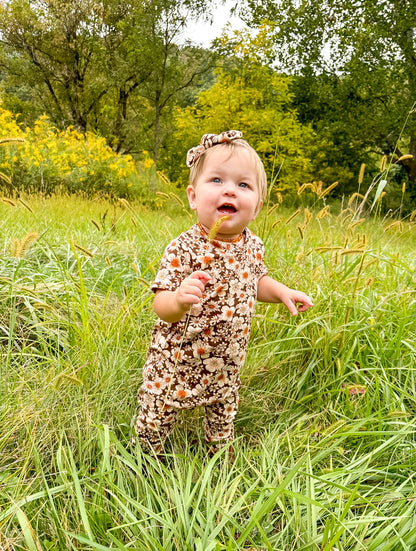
{"x": 50, "y": 159}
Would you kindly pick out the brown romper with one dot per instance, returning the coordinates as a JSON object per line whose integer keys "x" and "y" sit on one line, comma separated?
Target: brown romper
{"x": 196, "y": 361}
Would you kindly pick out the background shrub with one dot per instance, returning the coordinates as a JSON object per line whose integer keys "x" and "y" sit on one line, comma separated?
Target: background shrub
{"x": 50, "y": 160}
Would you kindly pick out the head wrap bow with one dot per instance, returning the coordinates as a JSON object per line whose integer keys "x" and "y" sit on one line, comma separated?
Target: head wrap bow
{"x": 209, "y": 140}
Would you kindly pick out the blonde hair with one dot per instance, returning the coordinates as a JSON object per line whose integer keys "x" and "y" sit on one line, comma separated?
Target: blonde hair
{"x": 233, "y": 146}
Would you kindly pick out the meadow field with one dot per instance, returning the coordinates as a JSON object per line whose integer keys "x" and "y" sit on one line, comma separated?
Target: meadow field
{"x": 325, "y": 435}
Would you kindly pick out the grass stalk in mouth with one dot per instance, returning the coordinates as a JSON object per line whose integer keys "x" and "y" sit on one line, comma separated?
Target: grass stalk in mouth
{"x": 216, "y": 227}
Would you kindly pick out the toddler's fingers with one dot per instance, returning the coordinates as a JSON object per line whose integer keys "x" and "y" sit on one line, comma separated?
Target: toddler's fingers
{"x": 190, "y": 298}
{"x": 290, "y": 305}
{"x": 202, "y": 276}
{"x": 304, "y": 304}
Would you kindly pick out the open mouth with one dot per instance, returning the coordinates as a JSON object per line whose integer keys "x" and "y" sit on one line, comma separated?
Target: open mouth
{"x": 227, "y": 209}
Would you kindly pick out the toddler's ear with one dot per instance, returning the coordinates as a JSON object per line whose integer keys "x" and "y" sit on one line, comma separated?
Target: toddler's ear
{"x": 190, "y": 191}
{"x": 258, "y": 209}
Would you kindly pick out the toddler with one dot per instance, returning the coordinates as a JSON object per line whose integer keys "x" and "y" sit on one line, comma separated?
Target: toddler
{"x": 205, "y": 293}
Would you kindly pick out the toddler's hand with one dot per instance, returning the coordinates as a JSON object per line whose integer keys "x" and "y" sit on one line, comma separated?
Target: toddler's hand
{"x": 293, "y": 298}
{"x": 190, "y": 290}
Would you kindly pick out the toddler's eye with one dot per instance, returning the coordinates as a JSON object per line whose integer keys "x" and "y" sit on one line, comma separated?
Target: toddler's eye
{"x": 217, "y": 180}
{"x": 243, "y": 184}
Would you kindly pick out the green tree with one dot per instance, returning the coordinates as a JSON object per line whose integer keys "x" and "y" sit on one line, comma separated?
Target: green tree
{"x": 248, "y": 96}
{"x": 370, "y": 47}
{"x": 109, "y": 66}
{"x": 150, "y": 70}
{"x": 53, "y": 47}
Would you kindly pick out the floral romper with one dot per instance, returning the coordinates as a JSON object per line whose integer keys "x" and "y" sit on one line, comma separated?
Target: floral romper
{"x": 196, "y": 361}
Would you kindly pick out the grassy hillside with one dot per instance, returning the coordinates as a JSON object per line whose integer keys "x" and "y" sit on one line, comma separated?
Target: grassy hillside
{"x": 326, "y": 428}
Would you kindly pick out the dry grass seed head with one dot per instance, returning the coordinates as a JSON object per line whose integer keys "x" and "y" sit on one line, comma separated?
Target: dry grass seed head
{"x": 327, "y": 190}
{"x": 323, "y": 212}
{"x": 96, "y": 224}
{"x": 15, "y": 248}
{"x": 164, "y": 178}
{"x": 5, "y": 178}
{"x": 27, "y": 241}
{"x": 124, "y": 203}
{"x": 301, "y": 189}
{"x": 293, "y": 215}
{"x": 327, "y": 249}
{"x": 355, "y": 195}
{"x": 383, "y": 163}
{"x": 356, "y": 223}
{"x": 397, "y": 225}
{"x": 7, "y": 141}
{"x": 28, "y": 207}
{"x": 273, "y": 208}
{"x": 8, "y": 201}
{"x": 19, "y": 248}
{"x": 346, "y": 252}
{"x": 216, "y": 226}
{"x": 362, "y": 239}
{"x": 361, "y": 173}
{"x": 83, "y": 250}
{"x": 177, "y": 199}
{"x": 307, "y": 214}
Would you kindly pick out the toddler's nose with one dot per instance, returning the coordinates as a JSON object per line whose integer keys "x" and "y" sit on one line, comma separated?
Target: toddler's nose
{"x": 229, "y": 189}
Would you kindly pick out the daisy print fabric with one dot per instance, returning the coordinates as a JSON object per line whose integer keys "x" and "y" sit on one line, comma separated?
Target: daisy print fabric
{"x": 196, "y": 361}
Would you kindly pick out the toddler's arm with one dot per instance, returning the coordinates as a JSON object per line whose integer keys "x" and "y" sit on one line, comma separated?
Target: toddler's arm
{"x": 171, "y": 306}
{"x": 270, "y": 290}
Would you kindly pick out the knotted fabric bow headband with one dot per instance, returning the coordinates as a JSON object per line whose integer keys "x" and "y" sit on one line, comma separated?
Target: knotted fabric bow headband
{"x": 209, "y": 140}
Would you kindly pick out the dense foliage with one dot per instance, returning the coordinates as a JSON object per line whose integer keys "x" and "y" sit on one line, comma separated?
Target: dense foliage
{"x": 111, "y": 67}
{"x": 321, "y": 88}
{"x": 357, "y": 59}
{"x": 46, "y": 159}
{"x": 249, "y": 96}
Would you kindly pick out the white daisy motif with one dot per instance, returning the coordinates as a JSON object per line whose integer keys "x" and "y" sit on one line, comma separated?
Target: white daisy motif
{"x": 213, "y": 364}
{"x": 243, "y": 308}
{"x": 180, "y": 393}
{"x": 158, "y": 385}
{"x": 221, "y": 379}
{"x": 227, "y": 312}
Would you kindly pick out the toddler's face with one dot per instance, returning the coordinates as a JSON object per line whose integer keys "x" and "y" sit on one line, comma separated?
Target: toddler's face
{"x": 227, "y": 185}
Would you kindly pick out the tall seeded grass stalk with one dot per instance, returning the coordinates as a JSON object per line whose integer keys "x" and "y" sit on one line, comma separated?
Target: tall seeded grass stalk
{"x": 216, "y": 227}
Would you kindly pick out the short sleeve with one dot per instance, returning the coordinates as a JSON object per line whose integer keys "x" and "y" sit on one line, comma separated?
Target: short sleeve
{"x": 174, "y": 266}
{"x": 256, "y": 250}
{"x": 262, "y": 268}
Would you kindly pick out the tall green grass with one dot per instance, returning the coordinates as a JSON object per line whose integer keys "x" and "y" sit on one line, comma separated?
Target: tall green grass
{"x": 325, "y": 448}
